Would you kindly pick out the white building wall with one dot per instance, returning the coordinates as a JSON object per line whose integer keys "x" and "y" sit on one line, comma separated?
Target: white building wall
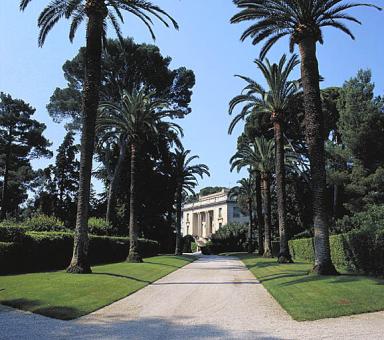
{"x": 205, "y": 217}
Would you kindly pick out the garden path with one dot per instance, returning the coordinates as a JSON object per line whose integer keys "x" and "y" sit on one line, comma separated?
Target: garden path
{"x": 212, "y": 298}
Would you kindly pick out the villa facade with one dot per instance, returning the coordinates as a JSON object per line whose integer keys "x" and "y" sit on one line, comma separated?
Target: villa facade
{"x": 204, "y": 217}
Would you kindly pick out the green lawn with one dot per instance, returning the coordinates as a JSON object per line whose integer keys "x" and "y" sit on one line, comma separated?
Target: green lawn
{"x": 308, "y": 297}
{"x": 65, "y": 296}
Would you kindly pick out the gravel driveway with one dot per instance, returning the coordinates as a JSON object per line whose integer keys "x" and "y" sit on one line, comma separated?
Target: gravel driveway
{"x": 212, "y": 298}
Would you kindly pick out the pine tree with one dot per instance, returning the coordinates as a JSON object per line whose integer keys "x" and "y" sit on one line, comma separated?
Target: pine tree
{"x": 66, "y": 178}
{"x": 21, "y": 140}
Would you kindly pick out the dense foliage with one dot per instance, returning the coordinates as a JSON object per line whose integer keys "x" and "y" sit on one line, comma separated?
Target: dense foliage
{"x": 21, "y": 140}
{"x": 41, "y": 251}
{"x": 360, "y": 250}
{"x": 229, "y": 238}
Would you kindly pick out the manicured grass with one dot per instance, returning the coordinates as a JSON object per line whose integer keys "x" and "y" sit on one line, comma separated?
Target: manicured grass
{"x": 308, "y": 297}
{"x": 65, "y": 296}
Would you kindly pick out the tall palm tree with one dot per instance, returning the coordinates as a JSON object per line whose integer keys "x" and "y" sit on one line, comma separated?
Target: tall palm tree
{"x": 259, "y": 213}
{"x": 302, "y": 21}
{"x": 136, "y": 119}
{"x": 114, "y": 153}
{"x": 260, "y": 155}
{"x": 99, "y": 13}
{"x": 185, "y": 176}
{"x": 273, "y": 102}
{"x": 246, "y": 191}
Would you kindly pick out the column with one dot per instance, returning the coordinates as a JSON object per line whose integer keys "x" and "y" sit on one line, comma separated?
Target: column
{"x": 194, "y": 224}
{"x": 205, "y": 224}
{"x": 199, "y": 224}
{"x": 208, "y": 223}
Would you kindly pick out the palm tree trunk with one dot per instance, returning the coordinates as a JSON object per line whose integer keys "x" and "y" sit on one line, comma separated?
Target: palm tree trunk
{"x": 178, "y": 250}
{"x": 133, "y": 255}
{"x": 314, "y": 130}
{"x": 96, "y": 13}
{"x": 114, "y": 185}
{"x": 4, "y": 196}
{"x": 250, "y": 243}
{"x": 266, "y": 196}
{"x": 284, "y": 256}
{"x": 259, "y": 211}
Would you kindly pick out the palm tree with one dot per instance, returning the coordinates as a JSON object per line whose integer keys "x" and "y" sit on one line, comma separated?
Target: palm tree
{"x": 260, "y": 155}
{"x": 99, "y": 13}
{"x": 185, "y": 177}
{"x": 273, "y": 102}
{"x": 246, "y": 191}
{"x": 113, "y": 154}
{"x": 302, "y": 21}
{"x": 136, "y": 119}
{"x": 259, "y": 213}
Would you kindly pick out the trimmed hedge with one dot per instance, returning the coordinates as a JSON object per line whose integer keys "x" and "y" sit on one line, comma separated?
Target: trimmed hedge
{"x": 359, "y": 251}
{"x": 302, "y": 249}
{"x": 41, "y": 251}
{"x": 43, "y": 222}
{"x": 9, "y": 255}
{"x": 10, "y": 233}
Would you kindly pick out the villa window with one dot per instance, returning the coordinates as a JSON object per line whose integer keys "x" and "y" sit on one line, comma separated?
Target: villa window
{"x": 236, "y": 212}
{"x": 220, "y": 212}
{"x": 187, "y": 217}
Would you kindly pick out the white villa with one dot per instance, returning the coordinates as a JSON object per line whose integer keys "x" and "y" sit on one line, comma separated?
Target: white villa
{"x": 204, "y": 217}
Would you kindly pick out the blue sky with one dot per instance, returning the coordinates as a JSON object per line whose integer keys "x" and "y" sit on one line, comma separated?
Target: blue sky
{"x": 206, "y": 43}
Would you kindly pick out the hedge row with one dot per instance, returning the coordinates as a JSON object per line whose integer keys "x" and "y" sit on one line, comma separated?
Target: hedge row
{"x": 12, "y": 233}
{"x": 40, "y": 251}
{"x": 359, "y": 251}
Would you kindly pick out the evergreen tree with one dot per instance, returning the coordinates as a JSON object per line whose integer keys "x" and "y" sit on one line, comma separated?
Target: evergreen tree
{"x": 356, "y": 160}
{"x": 66, "y": 178}
{"x": 361, "y": 122}
{"x": 21, "y": 140}
{"x": 125, "y": 66}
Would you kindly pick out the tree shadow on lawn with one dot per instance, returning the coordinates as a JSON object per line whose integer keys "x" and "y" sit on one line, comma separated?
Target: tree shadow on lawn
{"x": 21, "y": 325}
{"x": 123, "y": 276}
{"x": 288, "y": 266}
{"x": 56, "y": 312}
{"x": 344, "y": 278}
{"x": 162, "y": 264}
{"x": 188, "y": 258}
{"x": 304, "y": 275}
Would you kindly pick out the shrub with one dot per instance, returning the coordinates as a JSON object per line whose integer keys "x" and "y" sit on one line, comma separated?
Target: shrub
{"x": 11, "y": 233}
{"x": 53, "y": 250}
{"x": 360, "y": 251}
{"x": 229, "y": 238}
{"x": 99, "y": 226}
{"x": 194, "y": 247}
{"x": 45, "y": 223}
{"x": 302, "y": 249}
{"x": 209, "y": 249}
{"x": 47, "y": 250}
{"x": 364, "y": 251}
{"x": 187, "y": 243}
{"x": 372, "y": 218}
{"x": 337, "y": 244}
{"x": 9, "y": 256}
